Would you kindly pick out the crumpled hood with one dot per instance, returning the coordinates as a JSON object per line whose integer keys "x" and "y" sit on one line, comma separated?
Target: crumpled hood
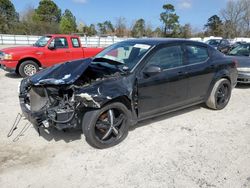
{"x": 61, "y": 74}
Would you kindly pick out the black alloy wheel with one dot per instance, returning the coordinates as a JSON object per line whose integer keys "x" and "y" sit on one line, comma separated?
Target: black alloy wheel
{"x": 222, "y": 95}
{"x": 107, "y": 126}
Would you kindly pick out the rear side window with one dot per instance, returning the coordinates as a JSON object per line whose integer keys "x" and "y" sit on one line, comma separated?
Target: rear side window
{"x": 167, "y": 57}
{"x": 196, "y": 54}
{"x": 213, "y": 42}
{"x": 75, "y": 42}
{"x": 224, "y": 42}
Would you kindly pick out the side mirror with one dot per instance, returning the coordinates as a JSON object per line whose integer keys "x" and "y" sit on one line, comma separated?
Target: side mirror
{"x": 51, "y": 46}
{"x": 152, "y": 70}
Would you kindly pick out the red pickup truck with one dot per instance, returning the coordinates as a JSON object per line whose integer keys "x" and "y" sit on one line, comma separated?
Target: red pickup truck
{"x": 47, "y": 51}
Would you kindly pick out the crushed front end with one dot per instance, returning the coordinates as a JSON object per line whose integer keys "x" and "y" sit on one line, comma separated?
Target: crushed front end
{"x": 49, "y": 106}
{"x": 58, "y": 96}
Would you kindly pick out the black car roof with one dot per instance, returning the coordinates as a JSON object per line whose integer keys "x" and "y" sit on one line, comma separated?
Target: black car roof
{"x": 157, "y": 41}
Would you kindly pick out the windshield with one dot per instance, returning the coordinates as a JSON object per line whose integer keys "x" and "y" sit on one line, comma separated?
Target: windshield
{"x": 213, "y": 42}
{"x": 241, "y": 49}
{"x": 124, "y": 55}
{"x": 42, "y": 41}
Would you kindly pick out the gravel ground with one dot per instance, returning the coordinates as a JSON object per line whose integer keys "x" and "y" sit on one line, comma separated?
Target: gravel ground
{"x": 195, "y": 147}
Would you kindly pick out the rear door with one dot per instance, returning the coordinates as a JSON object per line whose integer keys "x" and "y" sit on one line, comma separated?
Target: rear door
{"x": 200, "y": 71}
{"x": 76, "y": 49}
{"x": 168, "y": 88}
{"x": 61, "y": 52}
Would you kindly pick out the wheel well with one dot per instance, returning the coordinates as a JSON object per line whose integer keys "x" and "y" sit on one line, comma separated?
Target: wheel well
{"x": 26, "y": 59}
{"x": 213, "y": 83}
{"x": 122, "y": 99}
{"x": 227, "y": 77}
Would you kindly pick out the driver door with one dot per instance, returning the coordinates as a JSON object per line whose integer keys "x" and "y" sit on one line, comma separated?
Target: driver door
{"x": 60, "y": 54}
{"x": 167, "y": 89}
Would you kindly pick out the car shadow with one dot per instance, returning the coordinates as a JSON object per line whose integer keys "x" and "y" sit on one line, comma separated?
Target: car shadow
{"x": 243, "y": 86}
{"x": 70, "y": 135}
{"x": 57, "y": 135}
{"x": 12, "y": 75}
{"x": 166, "y": 116}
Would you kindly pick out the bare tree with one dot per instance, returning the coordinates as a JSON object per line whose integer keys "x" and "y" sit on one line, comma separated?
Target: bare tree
{"x": 29, "y": 27}
{"x": 246, "y": 17}
{"x": 121, "y": 27}
{"x": 236, "y": 18}
{"x": 185, "y": 31}
{"x": 149, "y": 30}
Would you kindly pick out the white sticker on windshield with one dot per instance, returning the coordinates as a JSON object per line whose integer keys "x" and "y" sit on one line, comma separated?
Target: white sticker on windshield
{"x": 110, "y": 57}
{"x": 142, "y": 46}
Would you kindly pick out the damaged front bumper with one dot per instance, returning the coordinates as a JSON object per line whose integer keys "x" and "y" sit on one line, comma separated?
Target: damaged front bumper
{"x": 34, "y": 117}
{"x": 43, "y": 110}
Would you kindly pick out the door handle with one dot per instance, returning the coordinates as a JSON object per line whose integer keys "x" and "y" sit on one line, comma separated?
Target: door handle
{"x": 181, "y": 73}
{"x": 212, "y": 66}
{"x": 67, "y": 51}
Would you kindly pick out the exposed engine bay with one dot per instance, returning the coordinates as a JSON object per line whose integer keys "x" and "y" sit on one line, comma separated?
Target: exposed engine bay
{"x": 59, "y": 105}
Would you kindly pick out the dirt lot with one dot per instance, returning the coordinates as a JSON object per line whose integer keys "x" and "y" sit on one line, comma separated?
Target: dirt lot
{"x": 196, "y": 147}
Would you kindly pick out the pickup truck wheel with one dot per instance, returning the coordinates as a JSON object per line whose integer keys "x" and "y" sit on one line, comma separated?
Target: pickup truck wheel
{"x": 107, "y": 126}
{"x": 28, "y": 68}
{"x": 220, "y": 95}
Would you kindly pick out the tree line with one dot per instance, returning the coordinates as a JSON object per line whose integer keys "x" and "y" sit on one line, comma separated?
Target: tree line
{"x": 232, "y": 21}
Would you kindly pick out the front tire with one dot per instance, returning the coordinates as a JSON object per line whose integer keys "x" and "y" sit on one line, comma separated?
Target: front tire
{"x": 28, "y": 68}
{"x": 106, "y": 127}
{"x": 220, "y": 95}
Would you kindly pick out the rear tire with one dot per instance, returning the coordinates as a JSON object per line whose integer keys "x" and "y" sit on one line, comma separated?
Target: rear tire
{"x": 106, "y": 127}
{"x": 220, "y": 95}
{"x": 28, "y": 68}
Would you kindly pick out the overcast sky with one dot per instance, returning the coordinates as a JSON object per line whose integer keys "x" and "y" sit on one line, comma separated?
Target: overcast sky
{"x": 195, "y": 12}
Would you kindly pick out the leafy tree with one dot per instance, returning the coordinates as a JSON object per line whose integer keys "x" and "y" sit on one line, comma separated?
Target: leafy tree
{"x": 87, "y": 30}
{"x": 109, "y": 27}
{"x": 27, "y": 25}
{"x": 106, "y": 28}
{"x": 47, "y": 11}
{"x": 185, "y": 31}
{"x": 92, "y": 31}
{"x": 214, "y": 26}
{"x": 139, "y": 29}
{"x": 158, "y": 32}
{"x": 47, "y": 17}
{"x": 8, "y": 17}
{"x": 170, "y": 20}
{"x": 68, "y": 22}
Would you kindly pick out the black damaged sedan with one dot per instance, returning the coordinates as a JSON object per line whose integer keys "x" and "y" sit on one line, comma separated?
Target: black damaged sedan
{"x": 127, "y": 82}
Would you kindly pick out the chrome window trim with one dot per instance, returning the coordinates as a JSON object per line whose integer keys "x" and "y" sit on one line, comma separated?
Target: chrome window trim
{"x": 187, "y": 65}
